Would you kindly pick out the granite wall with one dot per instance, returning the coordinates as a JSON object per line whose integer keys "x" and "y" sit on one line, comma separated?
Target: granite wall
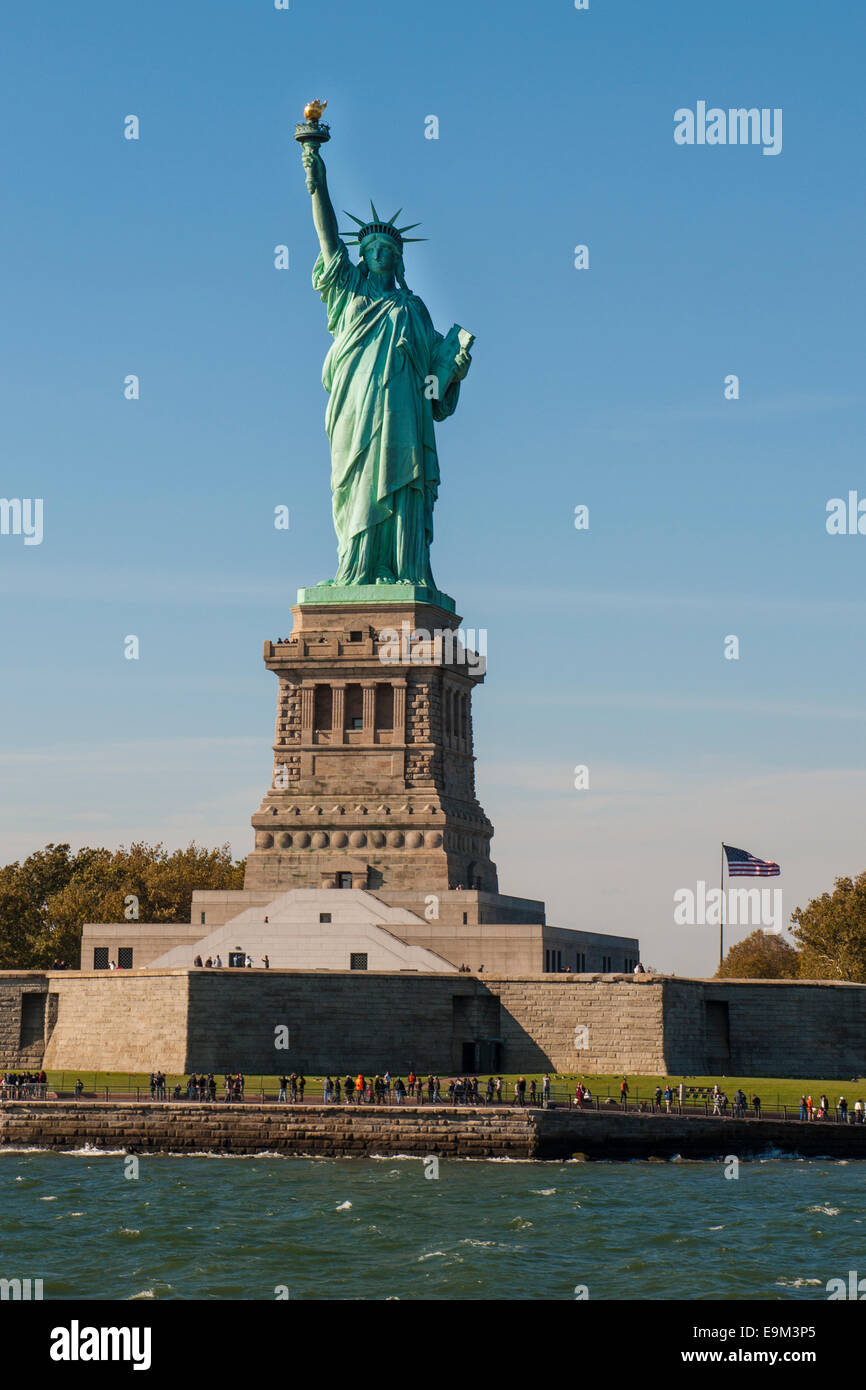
{"x": 316, "y": 1021}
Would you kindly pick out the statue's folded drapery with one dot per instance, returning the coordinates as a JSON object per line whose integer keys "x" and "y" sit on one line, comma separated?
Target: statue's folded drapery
{"x": 384, "y": 468}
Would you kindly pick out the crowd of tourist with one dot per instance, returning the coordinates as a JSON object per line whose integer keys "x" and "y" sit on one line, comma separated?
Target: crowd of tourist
{"x": 23, "y": 1085}
{"x": 198, "y": 1086}
{"x": 823, "y": 1110}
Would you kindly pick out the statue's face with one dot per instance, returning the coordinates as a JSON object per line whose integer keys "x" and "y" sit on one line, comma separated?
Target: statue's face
{"x": 380, "y": 254}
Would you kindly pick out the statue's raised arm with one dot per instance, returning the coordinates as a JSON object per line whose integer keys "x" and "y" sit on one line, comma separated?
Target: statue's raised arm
{"x": 324, "y": 217}
{"x": 311, "y": 136}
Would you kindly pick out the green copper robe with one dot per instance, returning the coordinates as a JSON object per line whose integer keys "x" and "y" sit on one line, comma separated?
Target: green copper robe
{"x": 384, "y": 468}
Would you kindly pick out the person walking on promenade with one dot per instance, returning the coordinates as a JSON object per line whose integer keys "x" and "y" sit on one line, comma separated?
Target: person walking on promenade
{"x": 669, "y": 1095}
{"x": 717, "y": 1101}
{"x": 808, "y": 1107}
{"x": 499, "y": 1090}
{"x": 533, "y": 1092}
{"x": 842, "y": 1107}
{"x": 657, "y": 1098}
{"x": 437, "y": 1090}
{"x": 399, "y": 1089}
{"x": 825, "y": 1107}
{"x": 284, "y": 1081}
{"x": 756, "y": 1106}
{"x": 302, "y": 1082}
{"x": 858, "y": 1112}
{"x": 360, "y": 1087}
{"x": 803, "y": 1114}
{"x": 545, "y": 1090}
{"x": 293, "y": 1087}
{"x": 521, "y": 1091}
{"x": 327, "y": 1088}
{"x": 623, "y": 1093}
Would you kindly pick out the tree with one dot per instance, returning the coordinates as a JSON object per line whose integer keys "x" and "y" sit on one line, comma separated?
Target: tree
{"x": 761, "y": 956}
{"x": 831, "y": 933}
{"x": 45, "y": 901}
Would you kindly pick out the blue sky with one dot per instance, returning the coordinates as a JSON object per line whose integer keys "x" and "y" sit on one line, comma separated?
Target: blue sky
{"x": 603, "y": 387}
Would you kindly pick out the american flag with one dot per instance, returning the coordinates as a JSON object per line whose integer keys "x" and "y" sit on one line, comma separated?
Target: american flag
{"x": 741, "y": 864}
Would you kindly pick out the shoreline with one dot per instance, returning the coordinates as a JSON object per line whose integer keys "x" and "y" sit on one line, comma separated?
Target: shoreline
{"x": 309, "y": 1130}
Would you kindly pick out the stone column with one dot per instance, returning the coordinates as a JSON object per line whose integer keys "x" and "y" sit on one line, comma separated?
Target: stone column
{"x": 338, "y": 711}
{"x": 399, "y": 711}
{"x": 308, "y": 693}
{"x": 369, "y": 709}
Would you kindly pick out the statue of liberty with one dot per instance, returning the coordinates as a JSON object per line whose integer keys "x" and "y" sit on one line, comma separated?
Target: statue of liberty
{"x": 389, "y": 375}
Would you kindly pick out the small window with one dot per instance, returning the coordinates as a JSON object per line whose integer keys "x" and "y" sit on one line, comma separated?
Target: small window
{"x": 384, "y": 706}
{"x": 323, "y": 705}
{"x": 100, "y": 957}
{"x": 358, "y": 960}
{"x": 324, "y": 916}
{"x": 356, "y": 636}
{"x": 344, "y": 880}
{"x": 606, "y": 965}
{"x": 202, "y": 918}
{"x": 354, "y": 709}
{"x": 124, "y": 957}
{"x": 465, "y": 918}
{"x": 581, "y": 962}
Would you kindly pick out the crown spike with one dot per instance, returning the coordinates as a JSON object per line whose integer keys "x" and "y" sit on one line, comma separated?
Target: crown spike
{"x": 376, "y": 217}
{"x": 359, "y": 220}
{"x": 401, "y": 230}
{"x": 393, "y": 218}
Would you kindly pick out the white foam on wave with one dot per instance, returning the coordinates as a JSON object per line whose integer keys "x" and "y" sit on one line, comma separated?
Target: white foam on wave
{"x": 344, "y": 1206}
{"x": 91, "y": 1151}
{"x": 826, "y": 1211}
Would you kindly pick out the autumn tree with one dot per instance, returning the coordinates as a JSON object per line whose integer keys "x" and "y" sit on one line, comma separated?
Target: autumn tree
{"x": 831, "y": 933}
{"x": 46, "y": 899}
{"x": 761, "y": 956}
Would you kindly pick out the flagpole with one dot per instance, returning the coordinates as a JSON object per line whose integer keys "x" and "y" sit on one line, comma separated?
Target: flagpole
{"x": 722, "y": 909}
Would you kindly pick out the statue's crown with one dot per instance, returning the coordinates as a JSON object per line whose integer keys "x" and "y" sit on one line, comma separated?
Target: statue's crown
{"x": 378, "y": 227}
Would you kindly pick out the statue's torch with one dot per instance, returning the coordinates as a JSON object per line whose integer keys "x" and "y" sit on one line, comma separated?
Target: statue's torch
{"x": 310, "y": 134}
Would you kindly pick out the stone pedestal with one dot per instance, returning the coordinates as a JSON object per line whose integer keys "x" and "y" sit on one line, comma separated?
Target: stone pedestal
{"x": 374, "y": 781}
